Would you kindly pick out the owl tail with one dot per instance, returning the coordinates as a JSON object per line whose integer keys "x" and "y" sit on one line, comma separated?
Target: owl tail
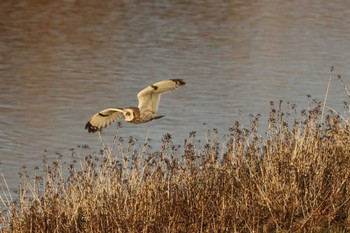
{"x": 157, "y": 117}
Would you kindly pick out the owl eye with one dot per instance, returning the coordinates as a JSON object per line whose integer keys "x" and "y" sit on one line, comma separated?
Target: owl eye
{"x": 128, "y": 114}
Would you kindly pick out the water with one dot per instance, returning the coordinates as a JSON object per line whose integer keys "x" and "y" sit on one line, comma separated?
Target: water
{"x": 62, "y": 61}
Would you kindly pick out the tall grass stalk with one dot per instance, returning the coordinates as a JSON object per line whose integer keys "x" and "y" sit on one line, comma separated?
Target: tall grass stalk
{"x": 326, "y": 95}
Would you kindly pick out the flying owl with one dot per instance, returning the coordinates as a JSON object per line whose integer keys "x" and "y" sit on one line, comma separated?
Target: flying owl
{"x": 146, "y": 110}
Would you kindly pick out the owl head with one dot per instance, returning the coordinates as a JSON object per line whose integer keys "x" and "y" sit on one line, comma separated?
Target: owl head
{"x": 128, "y": 114}
{"x": 131, "y": 114}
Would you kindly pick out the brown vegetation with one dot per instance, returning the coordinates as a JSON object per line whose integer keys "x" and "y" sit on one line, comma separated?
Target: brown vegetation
{"x": 295, "y": 178}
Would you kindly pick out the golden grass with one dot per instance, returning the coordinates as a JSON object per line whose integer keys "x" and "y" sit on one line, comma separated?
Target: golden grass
{"x": 294, "y": 178}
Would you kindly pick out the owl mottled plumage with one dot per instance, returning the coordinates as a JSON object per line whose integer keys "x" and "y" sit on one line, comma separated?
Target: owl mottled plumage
{"x": 146, "y": 110}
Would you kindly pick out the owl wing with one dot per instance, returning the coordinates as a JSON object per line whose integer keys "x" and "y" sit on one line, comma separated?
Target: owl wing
{"x": 103, "y": 118}
{"x": 149, "y": 97}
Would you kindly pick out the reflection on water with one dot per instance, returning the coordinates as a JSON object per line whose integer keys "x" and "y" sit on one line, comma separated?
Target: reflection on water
{"x": 60, "y": 62}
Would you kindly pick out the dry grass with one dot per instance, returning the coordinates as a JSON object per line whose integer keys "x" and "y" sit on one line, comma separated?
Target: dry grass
{"x": 295, "y": 178}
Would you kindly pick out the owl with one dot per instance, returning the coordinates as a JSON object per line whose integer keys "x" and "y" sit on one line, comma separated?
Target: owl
{"x": 146, "y": 111}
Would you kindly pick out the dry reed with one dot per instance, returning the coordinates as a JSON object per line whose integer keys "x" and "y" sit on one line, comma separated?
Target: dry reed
{"x": 295, "y": 178}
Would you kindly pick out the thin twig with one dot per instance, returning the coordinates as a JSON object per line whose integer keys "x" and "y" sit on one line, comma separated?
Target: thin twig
{"x": 342, "y": 82}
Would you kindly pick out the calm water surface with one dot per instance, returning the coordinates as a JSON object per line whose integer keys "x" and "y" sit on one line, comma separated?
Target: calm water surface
{"x": 62, "y": 61}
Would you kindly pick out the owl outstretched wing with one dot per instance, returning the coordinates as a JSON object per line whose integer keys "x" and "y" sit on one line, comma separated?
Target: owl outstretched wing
{"x": 103, "y": 118}
{"x": 150, "y": 96}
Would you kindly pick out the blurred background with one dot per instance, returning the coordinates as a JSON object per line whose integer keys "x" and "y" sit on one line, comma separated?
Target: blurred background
{"x": 62, "y": 61}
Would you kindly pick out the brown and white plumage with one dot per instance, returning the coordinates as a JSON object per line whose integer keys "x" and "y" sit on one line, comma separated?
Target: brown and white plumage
{"x": 146, "y": 111}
